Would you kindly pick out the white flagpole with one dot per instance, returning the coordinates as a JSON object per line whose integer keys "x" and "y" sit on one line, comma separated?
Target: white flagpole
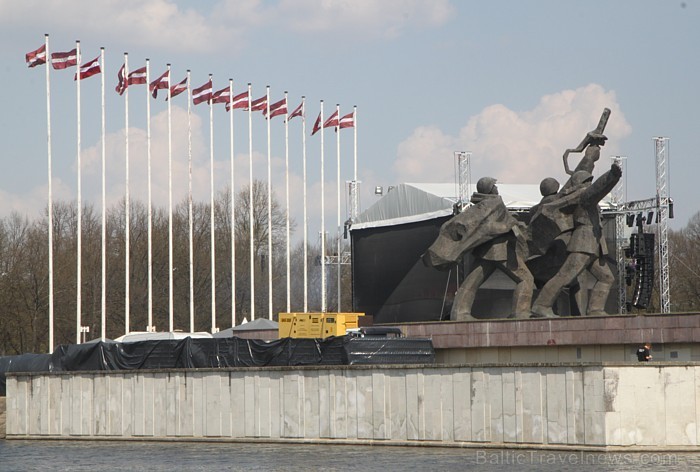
{"x": 171, "y": 322}
{"x": 127, "y": 212}
{"x": 78, "y": 320}
{"x": 233, "y": 209}
{"x": 189, "y": 199}
{"x": 211, "y": 217}
{"x": 150, "y": 205}
{"x": 354, "y": 123}
{"x": 50, "y": 228}
{"x": 286, "y": 186}
{"x": 269, "y": 210}
{"x": 103, "y": 331}
{"x": 337, "y": 145}
{"x": 306, "y": 220}
{"x": 250, "y": 204}
{"x": 323, "y": 226}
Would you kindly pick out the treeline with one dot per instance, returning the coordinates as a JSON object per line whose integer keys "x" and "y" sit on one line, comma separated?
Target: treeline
{"x": 684, "y": 264}
{"x": 24, "y": 277}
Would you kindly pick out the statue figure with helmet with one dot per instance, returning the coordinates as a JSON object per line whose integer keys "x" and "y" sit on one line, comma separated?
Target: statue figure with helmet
{"x": 561, "y": 238}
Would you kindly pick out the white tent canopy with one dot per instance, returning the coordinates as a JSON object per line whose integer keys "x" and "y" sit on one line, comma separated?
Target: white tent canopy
{"x": 413, "y": 202}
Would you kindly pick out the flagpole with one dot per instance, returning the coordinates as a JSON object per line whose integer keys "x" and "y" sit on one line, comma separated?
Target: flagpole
{"x": 337, "y": 145}
{"x": 250, "y": 204}
{"x": 80, "y": 213}
{"x": 211, "y": 218}
{"x": 286, "y": 185}
{"x": 50, "y": 228}
{"x": 150, "y": 209}
{"x": 171, "y": 323}
{"x": 323, "y": 226}
{"x": 306, "y": 221}
{"x": 233, "y": 209}
{"x": 354, "y": 122}
{"x": 103, "y": 331}
{"x": 269, "y": 210}
{"x": 127, "y": 212}
{"x": 189, "y": 199}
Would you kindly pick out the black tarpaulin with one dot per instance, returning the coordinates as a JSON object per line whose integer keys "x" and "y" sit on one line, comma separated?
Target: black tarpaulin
{"x": 196, "y": 353}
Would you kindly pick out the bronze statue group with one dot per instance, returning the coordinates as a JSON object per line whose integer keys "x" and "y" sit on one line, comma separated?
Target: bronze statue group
{"x": 558, "y": 240}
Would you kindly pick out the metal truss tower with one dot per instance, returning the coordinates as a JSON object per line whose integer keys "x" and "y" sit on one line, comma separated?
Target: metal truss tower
{"x": 663, "y": 206}
{"x": 619, "y": 196}
{"x": 354, "y": 194}
{"x": 464, "y": 178}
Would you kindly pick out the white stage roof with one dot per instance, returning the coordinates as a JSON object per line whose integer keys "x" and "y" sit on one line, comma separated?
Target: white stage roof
{"x": 413, "y": 202}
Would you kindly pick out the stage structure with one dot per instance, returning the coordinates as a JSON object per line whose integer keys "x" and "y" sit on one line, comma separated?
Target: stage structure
{"x": 636, "y": 263}
{"x": 390, "y": 281}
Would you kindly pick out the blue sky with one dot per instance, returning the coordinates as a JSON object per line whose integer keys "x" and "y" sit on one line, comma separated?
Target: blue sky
{"x": 514, "y": 82}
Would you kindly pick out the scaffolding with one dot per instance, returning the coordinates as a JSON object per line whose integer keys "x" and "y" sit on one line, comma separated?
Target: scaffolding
{"x": 662, "y": 206}
{"x": 354, "y": 196}
{"x": 463, "y": 166}
{"x": 619, "y": 196}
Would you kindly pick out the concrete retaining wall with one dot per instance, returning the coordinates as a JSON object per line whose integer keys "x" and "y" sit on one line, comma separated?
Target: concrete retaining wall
{"x": 551, "y": 405}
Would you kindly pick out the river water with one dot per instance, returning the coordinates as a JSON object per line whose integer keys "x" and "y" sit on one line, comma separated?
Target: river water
{"x": 188, "y": 456}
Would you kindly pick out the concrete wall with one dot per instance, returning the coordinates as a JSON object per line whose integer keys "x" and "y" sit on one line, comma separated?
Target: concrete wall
{"x": 552, "y": 405}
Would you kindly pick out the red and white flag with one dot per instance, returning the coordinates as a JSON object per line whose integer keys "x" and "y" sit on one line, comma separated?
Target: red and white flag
{"x": 62, "y": 60}
{"x": 332, "y": 120}
{"x": 259, "y": 104}
{"x": 202, "y": 94}
{"x": 89, "y": 69}
{"x": 238, "y": 101}
{"x": 298, "y": 111}
{"x": 162, "y": 82}
{"x": 277, "y": 108}
{"x": 178, "y": 88}
{"x": 317, "y": 125}
{"x": 137, "y": 77}
{"x": 36, "y": 58}
{"x": 121, "y": 84}
{"x": 221, "y": 96}
{"x": 347, "y": 121}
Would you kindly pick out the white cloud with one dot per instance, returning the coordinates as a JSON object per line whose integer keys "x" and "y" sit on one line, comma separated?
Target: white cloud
{"x": 515, "y": 147}
{"x": 159, "y": 23}
{"x": 166, "y": 25}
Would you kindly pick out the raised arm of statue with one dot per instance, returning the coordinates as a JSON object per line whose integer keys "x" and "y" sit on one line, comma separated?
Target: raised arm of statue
{"x": 602, "y": 185}
{"x": 593, "y": 137}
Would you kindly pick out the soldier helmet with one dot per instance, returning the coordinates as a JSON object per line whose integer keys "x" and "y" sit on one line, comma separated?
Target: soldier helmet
{"x": 580, "y": 177}
{"x": 549, "y": 186}
{"x": 485, "y": 185}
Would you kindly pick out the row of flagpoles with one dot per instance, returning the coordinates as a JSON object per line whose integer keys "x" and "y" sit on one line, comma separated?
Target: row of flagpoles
{"x": 202, "y": 94}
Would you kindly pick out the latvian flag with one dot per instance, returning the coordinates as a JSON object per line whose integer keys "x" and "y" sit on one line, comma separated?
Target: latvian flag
{"x": 121, "y": 84}
{"x": 202, "y": 94}
{"x": 36, "y": 58}
{"x": 317, "y": 125}
{"x": 62, "y": 60}
{"x": 137, "y": 77}
{"x": 347, "y": 121}
{"x": 277, "y": 108}
{"x": 178, "y": 88}
{"x": 259, "y": 104}
{"x": 221, "y": 96}
{"x": 298, "y": 111}
{"x": 162, "y": 82}
{"x": 239, "y": 101}
{"x": 89, "y": 69}
{"x": 332, "y": 120}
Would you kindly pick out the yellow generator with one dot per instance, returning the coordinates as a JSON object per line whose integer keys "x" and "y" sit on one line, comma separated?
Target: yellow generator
{"x": 316, "y": 325}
